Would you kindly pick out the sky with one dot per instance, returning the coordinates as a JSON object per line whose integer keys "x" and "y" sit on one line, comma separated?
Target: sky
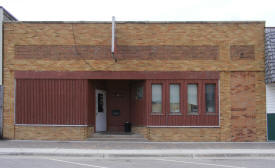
{"x": 142, "y": 10}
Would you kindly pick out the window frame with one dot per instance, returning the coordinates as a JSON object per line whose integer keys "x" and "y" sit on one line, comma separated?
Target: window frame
{"x": 205, "y": 82}
{"x": 163, "y": 110}
{"x": 199, "y": 91}
{"x": 181, "y": 97}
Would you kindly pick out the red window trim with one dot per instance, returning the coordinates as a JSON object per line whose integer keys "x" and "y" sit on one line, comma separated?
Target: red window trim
{"x": 216, "y": 97}
{"x": 181, "y": 85}
{"x": 199, "y": 83}
{"x": 163, "y": 110}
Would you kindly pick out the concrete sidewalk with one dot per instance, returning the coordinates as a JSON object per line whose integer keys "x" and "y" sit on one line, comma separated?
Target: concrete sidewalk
{"x": 108, "y": 149}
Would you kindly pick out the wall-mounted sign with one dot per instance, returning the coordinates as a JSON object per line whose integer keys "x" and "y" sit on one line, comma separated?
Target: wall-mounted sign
{"x": 115, "y": 112}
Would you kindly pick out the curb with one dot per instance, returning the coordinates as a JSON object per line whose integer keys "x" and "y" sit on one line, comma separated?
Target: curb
{"x": 204, "y": 153}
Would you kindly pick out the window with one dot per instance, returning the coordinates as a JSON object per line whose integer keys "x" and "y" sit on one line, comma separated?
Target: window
{"x": 192, "y": 96}
{"x": 99, "y": 102}
{"x": 156, "y": 98}
{"x": 174, "y": 98}
{"x": 210, "y": 101}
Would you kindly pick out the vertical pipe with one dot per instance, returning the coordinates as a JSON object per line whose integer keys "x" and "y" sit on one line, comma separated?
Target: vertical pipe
{"x": 1, "y": 59}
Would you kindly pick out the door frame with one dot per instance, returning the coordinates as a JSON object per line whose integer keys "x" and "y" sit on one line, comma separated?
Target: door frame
{"x": 104, "y": 106}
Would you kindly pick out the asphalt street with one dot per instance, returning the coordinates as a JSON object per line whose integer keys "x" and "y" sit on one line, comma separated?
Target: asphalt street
{"x": 82, "y": 162}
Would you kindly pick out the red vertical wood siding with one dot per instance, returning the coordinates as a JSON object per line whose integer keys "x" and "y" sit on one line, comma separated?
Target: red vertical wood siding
{"x": 118, "y": 98}
{"x": 72, "y": 102}
{"x": 91, "y": 103}
{"x": 46, "y": 101}
{"x": 138, "y": 108}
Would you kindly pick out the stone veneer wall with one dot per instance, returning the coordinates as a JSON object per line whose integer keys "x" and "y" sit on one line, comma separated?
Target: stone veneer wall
{"x": 53, "y": 132}
{"x": 245, "y": 39}
{"x": 141, "y": 130}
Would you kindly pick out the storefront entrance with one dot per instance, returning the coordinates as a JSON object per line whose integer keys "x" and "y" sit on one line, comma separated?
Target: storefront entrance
{"x": 113, "y": 104}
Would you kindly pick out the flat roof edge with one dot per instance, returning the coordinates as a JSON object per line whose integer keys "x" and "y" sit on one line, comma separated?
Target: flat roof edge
{"x": 138, "y": 22}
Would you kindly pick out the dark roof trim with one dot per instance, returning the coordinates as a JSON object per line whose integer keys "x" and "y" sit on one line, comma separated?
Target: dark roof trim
{"x": 133, "y": 75}
{"x": 9, "y": 14}
{"x": 142, "y": 22}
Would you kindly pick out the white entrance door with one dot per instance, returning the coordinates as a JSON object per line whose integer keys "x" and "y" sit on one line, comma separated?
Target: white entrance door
{"x": 101, "y": 111}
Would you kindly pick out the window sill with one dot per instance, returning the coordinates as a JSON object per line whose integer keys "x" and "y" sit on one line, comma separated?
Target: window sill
{"x": 193, "y": 114}
{"x": 175, "y": 113}
{"x": 211, "y": 113}
{"x": 156, "y": 113}
{"x": 184, "y": 126}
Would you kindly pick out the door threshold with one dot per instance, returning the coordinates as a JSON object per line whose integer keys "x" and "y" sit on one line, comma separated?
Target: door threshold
{"x": 114, "y": 133}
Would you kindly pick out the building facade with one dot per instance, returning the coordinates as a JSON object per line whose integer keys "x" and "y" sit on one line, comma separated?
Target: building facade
{"x": 270, "y": 80}
{"x": 4, "y": 16}
{"x": 174, "y": 81}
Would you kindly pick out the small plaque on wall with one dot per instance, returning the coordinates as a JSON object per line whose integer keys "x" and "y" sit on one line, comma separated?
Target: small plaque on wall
{"x": 139, "y": 93}
{"x": 115, "y": 112}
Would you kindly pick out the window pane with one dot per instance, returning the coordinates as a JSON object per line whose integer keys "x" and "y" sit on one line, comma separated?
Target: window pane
{"x": 210, "y": 97}
{"x": 99, "y": 102}
{"x": 156, "y": 97}
{"x": 174, "y": 98}
{"x": 192, "y": 90}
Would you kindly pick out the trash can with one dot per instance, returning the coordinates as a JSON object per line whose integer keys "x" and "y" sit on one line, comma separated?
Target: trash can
{"x": 127, "y": 127}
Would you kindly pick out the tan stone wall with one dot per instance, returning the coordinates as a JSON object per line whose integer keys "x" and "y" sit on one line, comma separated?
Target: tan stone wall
{"x": 248, "y": 109}
{"x": 243, "y": 108}
{"x": 52, "y": 132}
{"x": 184, "y": 134}
{"x": 179, "y": 134}
{"x": 225, "y": 106}
{"x": 141, "y": 130}
{"x": 261, "y": 130}
{"x": 223, "y": 35}
{"x": 90, "y": 132}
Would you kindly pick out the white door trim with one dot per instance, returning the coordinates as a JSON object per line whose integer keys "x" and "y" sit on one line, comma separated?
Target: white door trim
{"x": 101, "y": 117}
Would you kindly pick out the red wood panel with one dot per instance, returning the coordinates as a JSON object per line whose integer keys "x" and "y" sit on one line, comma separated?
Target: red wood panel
{"x": 118, "y": 98}
{"x": 91, "y": 104}
{"x": 138, "y": 113}
{"x": 49, "y": 101}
